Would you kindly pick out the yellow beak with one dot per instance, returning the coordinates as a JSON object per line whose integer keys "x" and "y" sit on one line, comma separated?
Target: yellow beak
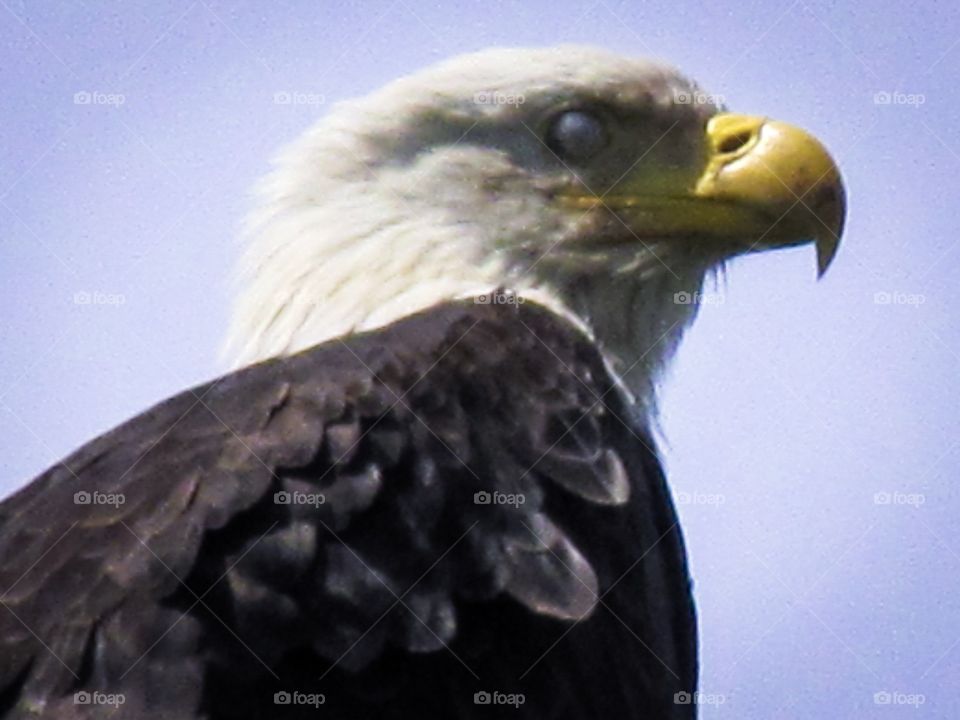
{"x": 763, "y": 184}
{"x": 783, "y": 174}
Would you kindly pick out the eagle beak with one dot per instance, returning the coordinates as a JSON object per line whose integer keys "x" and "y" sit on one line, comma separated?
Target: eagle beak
{"x": 782, "y": 178}
{"x": 761, "y": 184}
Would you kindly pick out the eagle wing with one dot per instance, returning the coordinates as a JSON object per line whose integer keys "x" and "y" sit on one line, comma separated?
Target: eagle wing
{"x": 458, "y": 503}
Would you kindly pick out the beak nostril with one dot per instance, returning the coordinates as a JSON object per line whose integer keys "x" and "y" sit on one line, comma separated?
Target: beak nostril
{"x": 732, "y": 143}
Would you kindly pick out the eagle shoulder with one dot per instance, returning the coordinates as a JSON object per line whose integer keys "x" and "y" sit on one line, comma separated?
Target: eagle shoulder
{"x": 355, "y": 501}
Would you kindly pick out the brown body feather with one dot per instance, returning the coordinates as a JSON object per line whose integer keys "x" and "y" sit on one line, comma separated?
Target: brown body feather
{"x": 398, "y": 595}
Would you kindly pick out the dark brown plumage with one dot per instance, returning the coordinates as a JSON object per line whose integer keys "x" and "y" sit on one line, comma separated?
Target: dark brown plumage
{"x": 203, "y": 594}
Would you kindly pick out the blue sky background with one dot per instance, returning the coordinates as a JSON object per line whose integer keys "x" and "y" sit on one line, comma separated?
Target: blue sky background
{"x": 793, "y": 403}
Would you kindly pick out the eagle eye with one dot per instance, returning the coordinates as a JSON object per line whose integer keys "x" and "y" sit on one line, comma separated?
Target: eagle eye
{"x": 576, "y": 135}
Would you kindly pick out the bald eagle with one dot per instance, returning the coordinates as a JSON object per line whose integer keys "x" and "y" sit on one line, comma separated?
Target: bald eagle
{"x": 430, "y": 486}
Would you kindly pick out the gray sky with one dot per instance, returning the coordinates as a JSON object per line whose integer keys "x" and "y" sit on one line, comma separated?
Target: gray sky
{"x": 793, "y": 403}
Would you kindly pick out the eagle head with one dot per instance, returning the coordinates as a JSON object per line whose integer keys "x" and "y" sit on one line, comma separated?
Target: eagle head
{"x": 605, "y": 187}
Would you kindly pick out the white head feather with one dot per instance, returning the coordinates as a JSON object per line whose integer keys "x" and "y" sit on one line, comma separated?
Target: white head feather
{"x": 391, "y": 204}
